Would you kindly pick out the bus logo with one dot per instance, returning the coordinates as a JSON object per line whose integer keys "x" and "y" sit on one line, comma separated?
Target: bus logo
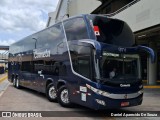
{"x": 44, "y": 54}
{"x": 125, "y": 85}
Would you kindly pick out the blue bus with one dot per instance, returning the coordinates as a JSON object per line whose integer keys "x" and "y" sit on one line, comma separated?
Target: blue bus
{"x": 90, "y": 60}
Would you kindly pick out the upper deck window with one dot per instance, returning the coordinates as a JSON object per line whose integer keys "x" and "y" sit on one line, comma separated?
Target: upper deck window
{"x": 111, "y": 31}
{"x": 76, "y": 29}
{"x": 50, "y": 37}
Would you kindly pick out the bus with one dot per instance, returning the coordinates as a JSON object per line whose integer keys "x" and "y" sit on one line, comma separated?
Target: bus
{"x": 2, "y": 70}
{"x": 90, "y": 60}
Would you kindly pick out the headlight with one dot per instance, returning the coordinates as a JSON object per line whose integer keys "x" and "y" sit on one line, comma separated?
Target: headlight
{"x": 100, "y": 92}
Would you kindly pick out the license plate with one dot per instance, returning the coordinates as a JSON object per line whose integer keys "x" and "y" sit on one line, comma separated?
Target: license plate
{"x": 124, "y": 104}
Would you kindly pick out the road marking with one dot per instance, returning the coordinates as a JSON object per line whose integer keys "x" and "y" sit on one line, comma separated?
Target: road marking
{"x": 5, "y": 87}
{"x": 158, "y": 81}
{"x": 5, "y": 77}
{"x": 1, "y": 92}
{"x": 1, "y": 80}
{"x": 151, "y": 86}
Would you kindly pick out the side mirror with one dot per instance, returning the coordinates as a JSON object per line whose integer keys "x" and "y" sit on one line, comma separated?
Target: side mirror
{"x": 148, "y": 50}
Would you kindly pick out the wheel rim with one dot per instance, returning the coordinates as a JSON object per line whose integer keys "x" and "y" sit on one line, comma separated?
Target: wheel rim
{"x": 64, "y": 96}
{"x": 52, "y": 92}
{"x": 17, "y": 83}
{"x": 14, "y": 81}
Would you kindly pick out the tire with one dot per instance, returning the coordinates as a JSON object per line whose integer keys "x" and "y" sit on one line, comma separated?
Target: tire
{"x": 63, "y": 97}
{"x": 17, "y": 84}
{"x": 14, "y": 82}
{"x": 51, "y": 93}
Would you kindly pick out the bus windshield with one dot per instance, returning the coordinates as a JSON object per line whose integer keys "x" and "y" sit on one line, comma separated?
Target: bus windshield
{"x": 119, "y": 67}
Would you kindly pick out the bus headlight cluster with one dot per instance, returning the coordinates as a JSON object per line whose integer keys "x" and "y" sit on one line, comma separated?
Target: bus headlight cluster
{"x": 100, "y": 92}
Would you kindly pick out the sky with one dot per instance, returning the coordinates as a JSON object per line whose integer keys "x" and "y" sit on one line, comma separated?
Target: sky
{"x": 21, "y": 18}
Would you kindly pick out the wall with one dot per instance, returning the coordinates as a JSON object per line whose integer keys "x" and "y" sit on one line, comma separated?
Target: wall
{"x": 141, "y": 15}
{"x": 72, "y": 7}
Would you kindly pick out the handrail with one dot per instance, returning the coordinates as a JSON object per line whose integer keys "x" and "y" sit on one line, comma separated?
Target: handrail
{"x": 123, "y": 8}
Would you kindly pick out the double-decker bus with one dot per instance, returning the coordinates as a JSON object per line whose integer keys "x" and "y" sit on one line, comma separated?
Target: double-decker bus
{"x": 90, "y": 60}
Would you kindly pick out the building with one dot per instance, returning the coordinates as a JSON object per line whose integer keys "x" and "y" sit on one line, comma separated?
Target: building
{"x": 141, "y": 15}
{"x": 68, "y": 8}
{"x": 3, "y": 58}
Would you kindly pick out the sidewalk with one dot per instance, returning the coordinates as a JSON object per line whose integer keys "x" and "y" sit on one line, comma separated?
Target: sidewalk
{"x": 3, "y": 83}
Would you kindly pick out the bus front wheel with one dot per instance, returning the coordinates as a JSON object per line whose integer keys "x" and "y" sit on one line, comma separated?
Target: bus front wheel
{"x": 63, "y": 97}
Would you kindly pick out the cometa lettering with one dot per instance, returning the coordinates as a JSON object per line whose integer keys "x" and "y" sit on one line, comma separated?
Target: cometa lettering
{"x": 125, "y": 85}
{"x": 44, "y": 54}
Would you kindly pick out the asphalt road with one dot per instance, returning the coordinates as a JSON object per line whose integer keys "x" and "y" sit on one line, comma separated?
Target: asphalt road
{"x": 12, "y": 99}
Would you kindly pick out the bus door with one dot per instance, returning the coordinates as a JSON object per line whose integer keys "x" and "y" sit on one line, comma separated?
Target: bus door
{"x": 81, "y": 56}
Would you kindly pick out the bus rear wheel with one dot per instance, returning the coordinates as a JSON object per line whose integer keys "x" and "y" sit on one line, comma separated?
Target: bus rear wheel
{"x": 51, "y": 93}
{"x": 17, "y": 84}
{"x": 14, "y": 82}
{"x": 63, "y": 97}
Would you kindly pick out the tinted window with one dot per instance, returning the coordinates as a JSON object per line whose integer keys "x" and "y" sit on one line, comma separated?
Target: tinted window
{"x": 75, "y": 29}
{"x": 28, "y": 44}
{"x": 49, "y": 67}
{"x": 119, "y": 67}
{"x": 24, "y": 45}
{"x": 112, "y": 31}
{"x": 51, "y": 37}
{"x": 26, "y": 66}
{"x": 81, "y": 60}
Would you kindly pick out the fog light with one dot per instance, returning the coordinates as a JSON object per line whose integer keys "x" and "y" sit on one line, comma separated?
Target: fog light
{"x": 101, "y": 102}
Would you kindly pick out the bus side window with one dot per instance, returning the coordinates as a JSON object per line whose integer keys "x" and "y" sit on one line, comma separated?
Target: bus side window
{"x": 51, "y": 38}
{"x": 62, "y": 69}
{"x": 26, "y": 66}
{"x": 47, "y": 67}
{"x": 76, "y": 29}
{"x": 81, "y": 60}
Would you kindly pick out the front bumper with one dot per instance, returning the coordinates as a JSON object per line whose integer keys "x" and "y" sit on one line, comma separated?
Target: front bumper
{"x": 107, "y": 103}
